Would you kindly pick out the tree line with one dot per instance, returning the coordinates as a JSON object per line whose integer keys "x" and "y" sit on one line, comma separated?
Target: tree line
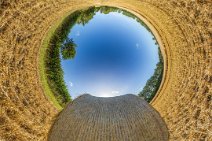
{"x": 54, "y": 72}
{"x": 153, "y": 83}
{"x": 61, "y": 43}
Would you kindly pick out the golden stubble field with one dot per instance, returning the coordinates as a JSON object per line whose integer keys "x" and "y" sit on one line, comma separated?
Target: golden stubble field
{"x": 184, "y": 100}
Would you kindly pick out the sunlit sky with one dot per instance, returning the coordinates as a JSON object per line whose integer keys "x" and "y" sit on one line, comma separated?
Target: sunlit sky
{"x": 115, "y": 55}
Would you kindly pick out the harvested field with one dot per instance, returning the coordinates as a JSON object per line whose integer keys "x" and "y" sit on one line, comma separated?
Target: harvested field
{"x": 184, "y": 99}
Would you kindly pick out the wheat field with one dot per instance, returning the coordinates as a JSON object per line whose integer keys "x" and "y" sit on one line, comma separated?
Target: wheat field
{"x": 184, "y": 28}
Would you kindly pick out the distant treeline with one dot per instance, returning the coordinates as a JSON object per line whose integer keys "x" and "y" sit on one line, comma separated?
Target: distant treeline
{"x": 60, "y": 42}
{"x": 53, "y": 68}
{"x": 154, "y": 82}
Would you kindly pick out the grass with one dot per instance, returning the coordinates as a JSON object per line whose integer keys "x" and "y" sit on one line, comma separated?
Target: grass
{"x": 43, "y": 78}
{"x": 51, "y": 73}
{"x": 48, "y": 90}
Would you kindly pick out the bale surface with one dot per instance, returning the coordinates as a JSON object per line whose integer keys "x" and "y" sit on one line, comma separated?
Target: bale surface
{"x": 122, "y": 118}
{"x": 184, "y": 100}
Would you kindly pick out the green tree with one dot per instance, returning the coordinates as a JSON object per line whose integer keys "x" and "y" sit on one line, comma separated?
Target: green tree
{"x": 153, "y": 83}
{"x": 85, "y": 16}
{"x": 68, "y": 49}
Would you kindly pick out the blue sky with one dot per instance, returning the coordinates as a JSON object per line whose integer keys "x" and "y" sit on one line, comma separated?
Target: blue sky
{"x": 115, "y": 55}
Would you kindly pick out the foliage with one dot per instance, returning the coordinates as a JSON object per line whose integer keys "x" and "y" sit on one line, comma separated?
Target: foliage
{"x": 85, "y": 16}
{"x": 107, "y": 10}
{"x": 153, "y": 83}
{"x": 53, "y": 68}
{"x": 68, "y": 49}
{"x": 61, "y": 42}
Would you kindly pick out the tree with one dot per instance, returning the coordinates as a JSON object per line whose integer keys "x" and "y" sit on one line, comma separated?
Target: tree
{"x": 85, "y": 16}
{"x": 153, "y": 83}
{"x": 68, "y": 49}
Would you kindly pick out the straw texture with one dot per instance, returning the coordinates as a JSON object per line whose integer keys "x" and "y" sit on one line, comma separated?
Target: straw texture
{"x": 184, "y": 31}
{"x": 122, "y": 118}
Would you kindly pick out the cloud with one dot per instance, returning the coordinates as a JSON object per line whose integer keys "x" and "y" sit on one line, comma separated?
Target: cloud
{"x": 71, "y": 84}
{"x": 137, "y": 45}
{"x": 115, "y": 92}
{"x": 78, "y": 34}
